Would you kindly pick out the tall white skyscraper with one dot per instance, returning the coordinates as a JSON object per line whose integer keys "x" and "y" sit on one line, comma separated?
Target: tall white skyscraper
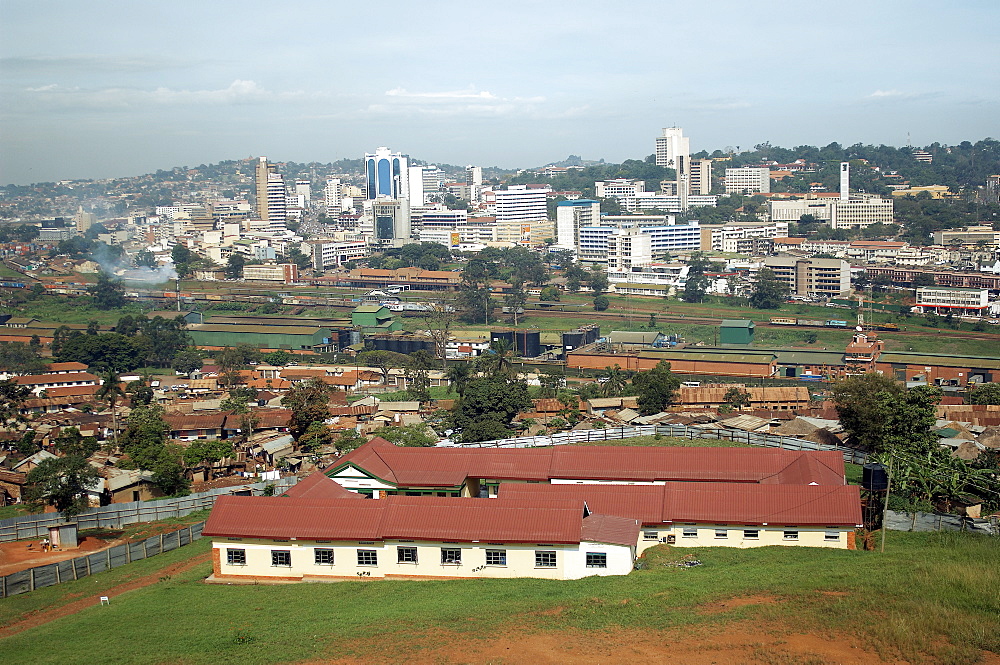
{"x": 304, "y": 188}
{"x": 387, "y": 174}
{"x": 416, "y": 186}
{"x": 333, "y": 197}
{"x": 845, "y": 181}
{"x": 671, "y": 147}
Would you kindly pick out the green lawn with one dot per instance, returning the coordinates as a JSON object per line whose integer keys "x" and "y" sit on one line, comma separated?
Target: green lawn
{"x": 931, "y": 598}
{"x": 14, "y": 511}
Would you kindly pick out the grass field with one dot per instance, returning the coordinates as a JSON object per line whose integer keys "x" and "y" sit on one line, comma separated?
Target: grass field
{"x": 931, "y": 598}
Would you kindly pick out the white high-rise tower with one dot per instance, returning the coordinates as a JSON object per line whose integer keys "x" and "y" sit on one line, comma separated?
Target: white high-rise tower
{"x": 845, "y": 181}
{"x": 673, "y": 150}
{"x": 387, "y": 174}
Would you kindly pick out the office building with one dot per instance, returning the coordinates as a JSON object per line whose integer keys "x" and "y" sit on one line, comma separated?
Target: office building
{"x": 390, "y": 221}
{"x": 334, "y": 253}
{"x": 387, "y": 175}
{"x": 474, "y": 178}
{"x": 304, "y": 188}
{"x": 845, "y": 181}
{"x": 522, "y": 215}
{"x": 629, "y": 247}
{"x": 828, "y": 278}
{"x": 270, "y": 188}
{"x": 700, "y": 179}
{"x": 673, "y": 148}
{"x": 748, "y": 180}
{"x": 416, "y": 185}
{"x": 571, "y": 216}
{"x": 664, "y": 240}
{"x": 969, "y": 236}
{"x": 959, "y": 302}
{"x": 333, "y": 197}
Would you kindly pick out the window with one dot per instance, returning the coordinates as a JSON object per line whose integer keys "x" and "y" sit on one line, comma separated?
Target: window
{"x": 751, "y": 534}
{"x": 406, "y": 555}
{"x": 450, "y": 555}
{"x": 831, "y": 536}
{"x": 650, "y": 535}
{"x": 721, "y": 533}
{"x": 236, "y": 557}
{"x": 281, "y": 558}
{"x": 324, "y": 556}
{"x": 690, "y": 532}
{"x": 496, "y": 557}
{"x": 791, "y": 535}
{"x": 545, "y": 559}
{"x": 597, "y": 560}
{"x": 367, "y": 558}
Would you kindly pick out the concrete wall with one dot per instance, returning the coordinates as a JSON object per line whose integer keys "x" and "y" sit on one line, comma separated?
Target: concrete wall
{"x": 520, "y": 560}
{"x": 767, "y": 535}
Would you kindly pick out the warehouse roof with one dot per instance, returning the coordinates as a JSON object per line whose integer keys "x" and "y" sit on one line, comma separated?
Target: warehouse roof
{"x": 278, "y": 330}
{"x": 930, "y": 359}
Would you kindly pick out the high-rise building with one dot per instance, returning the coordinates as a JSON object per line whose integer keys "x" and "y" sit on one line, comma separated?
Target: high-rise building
{"x": 304, "y": 188}
{"x": 387, "y": 174}
{"x": 700, "y": 180}
{"x": 522, "y": 215}
{"x": 571, "y": 216}
{"x": 391, "y": 219}
{"x": 748, "y": 180}
{"x": 671, "y": 147}
{"x": 270, "y": 187}
{"x": 474, "y": 178}
{"x": 416, "y": 185}
{"x": 433, "y": 178}
{"x": 845, "y": 181}
{"x": 332, "y": 197}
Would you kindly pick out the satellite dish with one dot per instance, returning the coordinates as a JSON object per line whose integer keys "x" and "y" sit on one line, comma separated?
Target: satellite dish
{"x": 859, "y": 329}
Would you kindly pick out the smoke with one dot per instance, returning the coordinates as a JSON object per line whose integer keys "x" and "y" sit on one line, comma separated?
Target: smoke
{"x": 115, "y": 264}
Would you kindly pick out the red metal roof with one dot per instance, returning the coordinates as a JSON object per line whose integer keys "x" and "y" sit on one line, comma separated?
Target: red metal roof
{"x": 318, "y": 486}
{"x": 610, "y": 529}
{"x": 449, "y": 467}
{"x": 413, "y": 518}
{"x": 719, "y": 503}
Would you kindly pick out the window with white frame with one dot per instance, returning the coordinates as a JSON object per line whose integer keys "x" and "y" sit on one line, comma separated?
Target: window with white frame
{"x": 236, "y": 557}
{"x": 323, "y": 556}
{"x": 689, "y": 532}
{"x": 281, "y": 558}
{"x": 406, "y": 555}
{"x": 831, "y": 536}
{"x": 650, "y": 535}
{"x": 790, "y": 535}
{"x": 597, "y": 560}
{"x": 722, "y": 533}
{"x": 496, "y": 557}
{"x": 451, "y": 555}
{"x": 367, "y": 557}
{"x": 751, "y": 534}
{"x": 545, "y": 559}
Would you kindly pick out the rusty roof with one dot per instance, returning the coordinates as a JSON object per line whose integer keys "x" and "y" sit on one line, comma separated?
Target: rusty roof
{"x": 449, "y": 467}
{"x": 610, "y": 529}
{"x": 189, "y": 421}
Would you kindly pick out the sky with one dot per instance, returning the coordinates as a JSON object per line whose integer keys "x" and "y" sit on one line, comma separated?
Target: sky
{"x": 107, "y": 89}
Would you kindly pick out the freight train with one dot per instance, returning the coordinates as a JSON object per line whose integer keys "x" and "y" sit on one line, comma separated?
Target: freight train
{"x": 832, "y": 323}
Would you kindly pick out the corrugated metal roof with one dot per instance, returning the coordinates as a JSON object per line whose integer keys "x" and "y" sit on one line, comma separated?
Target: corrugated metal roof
{"x": 609, "y": 529}
{"x": 318, "y": 486}
{"x": 449, "y": 467}
{"x": 415, "y": 518}
{"x": 930, "y": 360}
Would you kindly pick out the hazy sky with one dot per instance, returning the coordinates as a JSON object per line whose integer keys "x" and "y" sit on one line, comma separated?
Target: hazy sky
{"x": 101, "y": 89}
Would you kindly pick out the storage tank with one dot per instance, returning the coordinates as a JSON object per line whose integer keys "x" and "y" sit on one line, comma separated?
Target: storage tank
{"x": 529, "y": 343}
{"x": 874, "y": 477}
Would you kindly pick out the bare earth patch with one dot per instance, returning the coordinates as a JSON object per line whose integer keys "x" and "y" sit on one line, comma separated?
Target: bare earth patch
{"x": 744, "y": 643}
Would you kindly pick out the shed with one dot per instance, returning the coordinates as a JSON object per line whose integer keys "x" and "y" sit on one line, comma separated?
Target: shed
{"x": 63, "y": 536}
{"x": 736, "y": 331}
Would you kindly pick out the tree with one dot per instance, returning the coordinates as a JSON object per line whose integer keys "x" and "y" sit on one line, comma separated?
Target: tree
{"x": 234, "y": 267}
{"x": 987, "y": 393}
{"x": 383, "y": 361}
{"x": 458, "y": 376}
{"x": 516, "y": 299}
{"x": 63, "y": 483}
{"x": 205, "y": 451}
{"x": 695, "y": 288}
{"x": 439, "y": 319}
{"x": 277, "y": 358}
{"x": 413, "y": 436}
{"x": 108, "y": 293}
{"x": 550, "y": 294}
{"x": 71, "y": 442}
{"x": 498, "y": 360}
{"x": 488, "y": 407}
{"x": 737, "y": 398}
{"x": 882, "y": 416}
{"x": 20, "y": 358}
{"x": 182, "y": 258}
{"x": 601, "y": 303}
{"x": 145, "y": 443}
{"x": 12, "y": 397}
{"x": 348, "y": 440}
{"x": 309, "y": 402}
{"x": 187, "y": 361}
{"x": 769, "y": 292}
{"x": 597, "y": 280}
{"x": 111, "y": 391}
{"x": 656, "y": 388}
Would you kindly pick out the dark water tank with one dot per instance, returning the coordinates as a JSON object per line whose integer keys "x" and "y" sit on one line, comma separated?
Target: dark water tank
{"x": 874, "y": 478}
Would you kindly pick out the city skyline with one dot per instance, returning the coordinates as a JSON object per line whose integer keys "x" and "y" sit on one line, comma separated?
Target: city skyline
{"x": 111, "y": 89}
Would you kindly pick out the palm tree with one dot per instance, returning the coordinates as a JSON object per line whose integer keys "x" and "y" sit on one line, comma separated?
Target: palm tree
{"x": 614, "y": 381}
{"x": 111, "y": 391}
{"x": 499, "y": 359}
{"x": 458, "y": 376}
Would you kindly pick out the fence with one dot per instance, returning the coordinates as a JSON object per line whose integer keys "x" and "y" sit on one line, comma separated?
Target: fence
{"x": 82, "y": 566}
{"x": 683, "y": 431}
{"x": 902, "y": 521}
{"x": 119, "y": 514}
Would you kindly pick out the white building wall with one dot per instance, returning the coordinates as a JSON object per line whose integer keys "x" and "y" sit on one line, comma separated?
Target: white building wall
{"x": 748, "y": 179}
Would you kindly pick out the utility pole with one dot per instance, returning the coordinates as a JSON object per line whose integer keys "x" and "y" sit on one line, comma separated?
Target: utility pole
{"x": 885, "y": 506}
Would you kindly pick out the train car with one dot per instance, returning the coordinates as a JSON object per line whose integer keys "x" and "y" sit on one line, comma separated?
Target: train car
{"x": 811, "y": 322}
{"x": 783, "y": 321}
{"x": 886, "y": 326}
{"x": 13, "y": 285}
{"x": 836, "y": 324}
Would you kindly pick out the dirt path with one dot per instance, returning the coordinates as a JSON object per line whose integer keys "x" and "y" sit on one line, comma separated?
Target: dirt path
{"x": 93, "y": 598}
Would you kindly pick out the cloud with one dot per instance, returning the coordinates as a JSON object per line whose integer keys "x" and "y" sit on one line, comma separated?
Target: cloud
{"x": 887, "y": 93}
{"x": 456, "y": 94}
{"x": 884, "y": 95}
{"x": 238, "y": 92}
{"x": 468, "y": 102}
{"x": 42, "y": 64}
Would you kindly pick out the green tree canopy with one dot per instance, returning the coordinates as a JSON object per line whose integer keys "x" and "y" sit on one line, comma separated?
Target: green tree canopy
{"x": 656, "y": 388}
{"x": 62, "y": 482}
{"x": 769, "y": 292}
{"x": 987, "y": 393}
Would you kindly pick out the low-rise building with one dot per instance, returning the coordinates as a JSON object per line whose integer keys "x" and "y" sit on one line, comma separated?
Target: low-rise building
{"x": 946, "y": 300}
{"x": 828, "y": 278}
